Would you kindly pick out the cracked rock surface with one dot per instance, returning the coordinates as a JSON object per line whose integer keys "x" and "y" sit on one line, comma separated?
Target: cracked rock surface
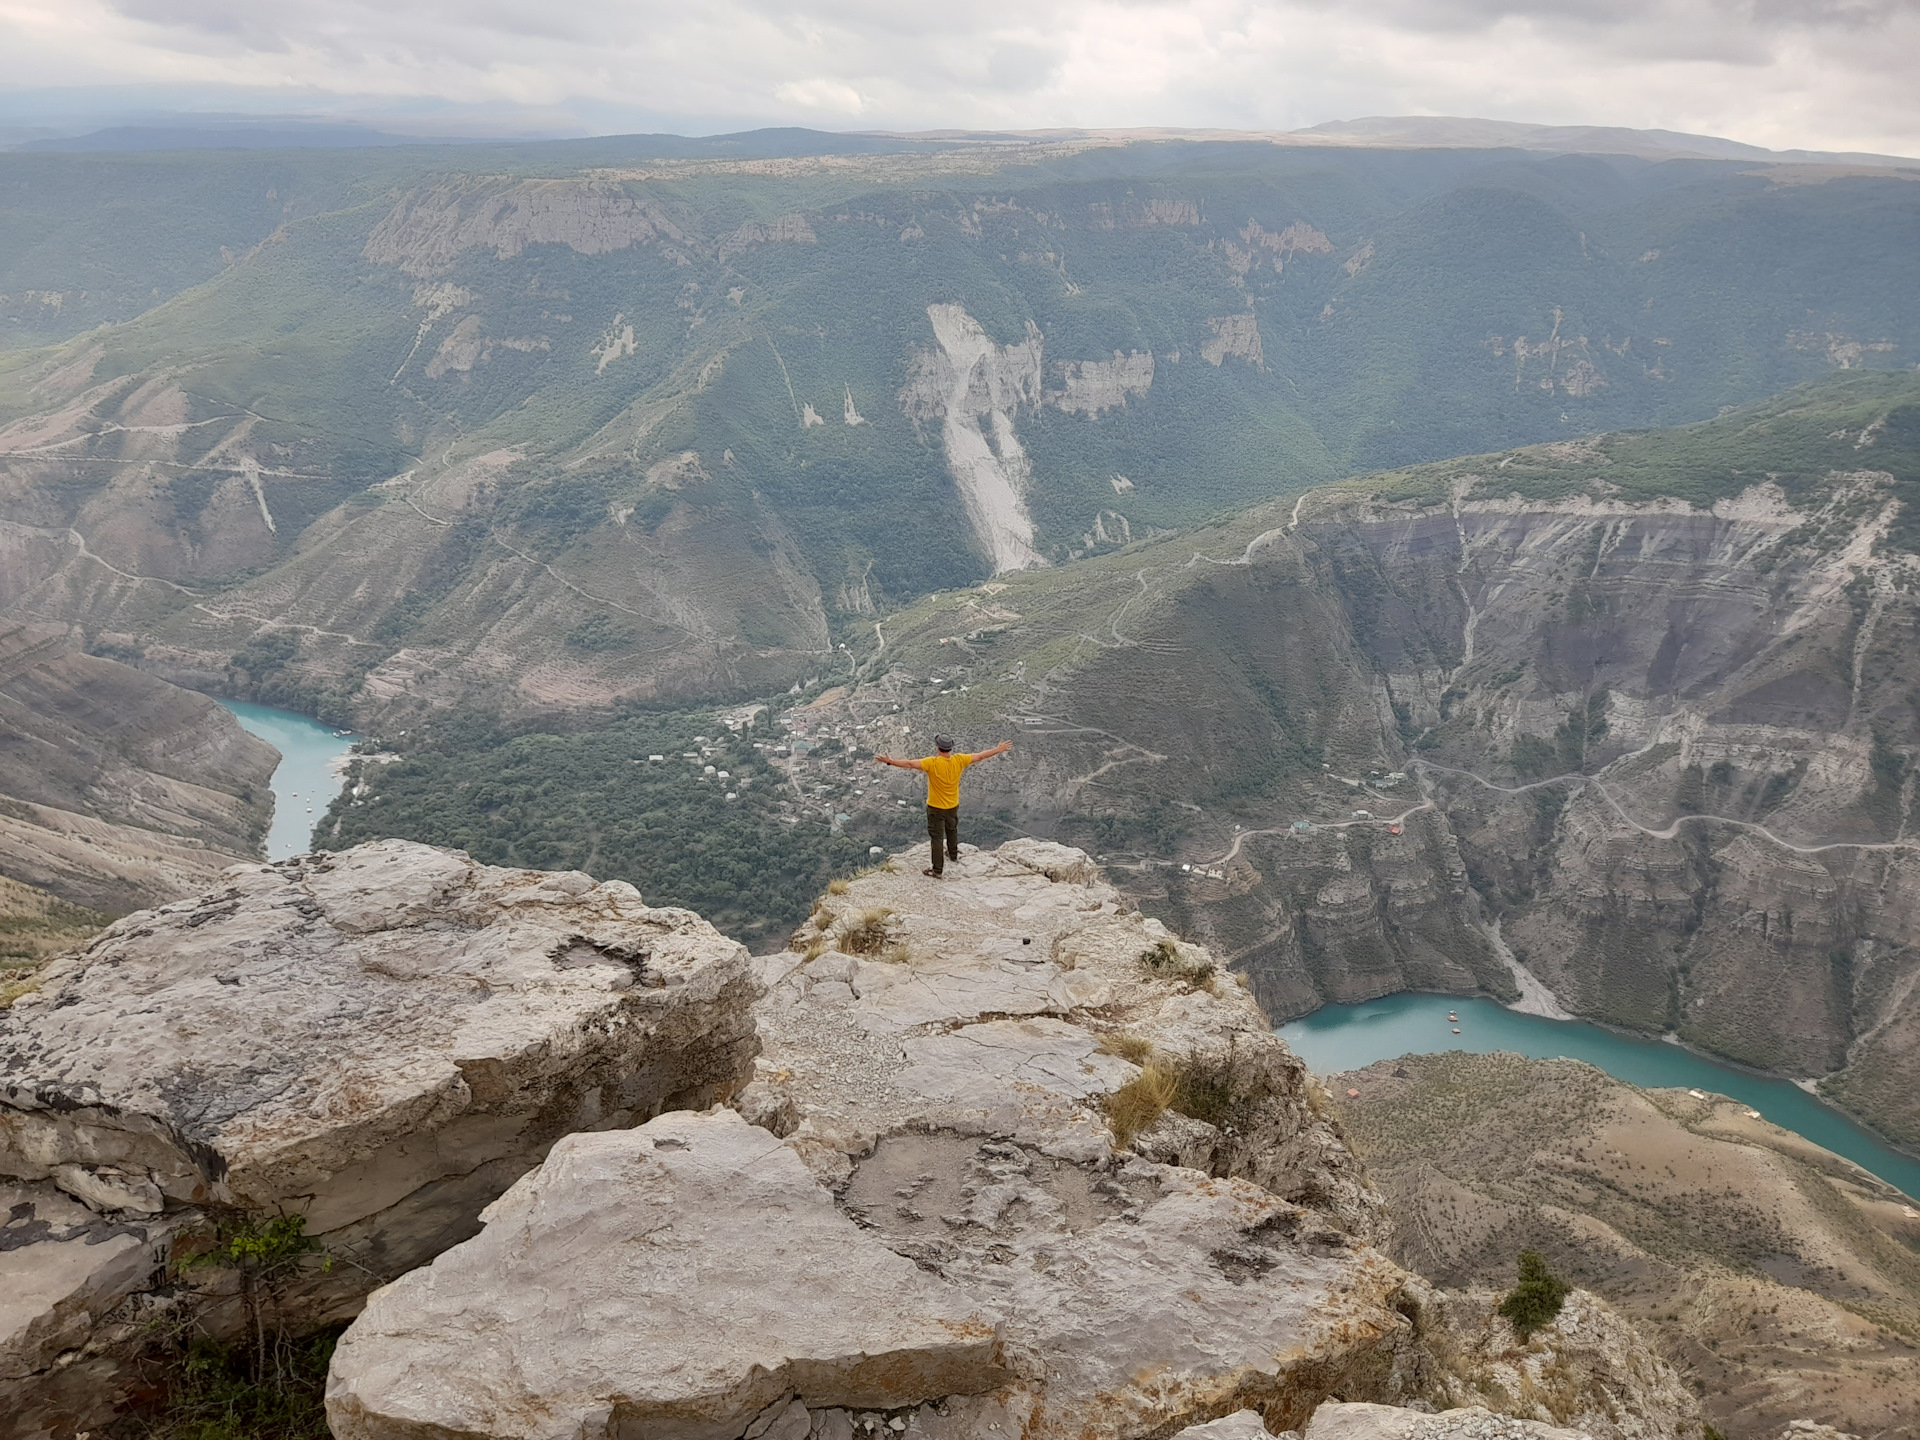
{"x": 1006, "y": 1000}
{"x": 687, "y": 1278}
{"x": 938, "y": 1070}
{"x": 380, "y": 1041}
{"x": 1388, "y": 1422}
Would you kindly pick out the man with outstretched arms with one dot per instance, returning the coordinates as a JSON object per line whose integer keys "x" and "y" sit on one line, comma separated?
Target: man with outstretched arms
{"x": 943, "y": 795}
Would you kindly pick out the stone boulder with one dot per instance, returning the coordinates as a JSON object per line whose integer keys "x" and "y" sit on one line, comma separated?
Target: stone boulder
{"x": 686, "y": 1279}
{"x": 692, "y": 1280}
{"x": 1241, "y": 1425}
{"x": 379, "y": 1041}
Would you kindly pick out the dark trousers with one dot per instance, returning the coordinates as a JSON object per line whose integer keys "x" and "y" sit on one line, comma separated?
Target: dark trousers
{"x": 943, "y": 825}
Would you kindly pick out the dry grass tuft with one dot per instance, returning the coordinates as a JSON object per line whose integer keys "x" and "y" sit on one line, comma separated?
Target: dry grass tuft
{"x": 838, "y": 887}
{"x": 817, "y": 947}
{"x": 1225, "y": 1090}
{"x": 869, "y": 935}
{"x": 1134, "y": 1048}
{"x": 1139, "y": 1103}
{"x": 1172, "y": 961}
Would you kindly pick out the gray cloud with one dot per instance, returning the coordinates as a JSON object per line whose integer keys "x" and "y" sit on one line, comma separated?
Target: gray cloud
{"x": 1816, "y": 73}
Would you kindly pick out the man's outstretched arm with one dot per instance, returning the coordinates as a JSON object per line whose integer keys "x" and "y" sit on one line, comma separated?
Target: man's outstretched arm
{"x": 899, "y": 764}
{"x": 1002, "y": 748}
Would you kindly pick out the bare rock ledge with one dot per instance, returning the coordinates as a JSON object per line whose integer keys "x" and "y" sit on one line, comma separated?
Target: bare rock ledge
{"x": 381, "y": 1041}
{"x": 939, "y": 1056}
{"x": 680, "y": 1279}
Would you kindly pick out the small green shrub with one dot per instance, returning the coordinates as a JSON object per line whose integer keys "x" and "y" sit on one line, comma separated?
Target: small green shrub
{"x": 213, "y": 1394}
{"x": 599, "y": 632}
{"x": 1536, "y": 1299}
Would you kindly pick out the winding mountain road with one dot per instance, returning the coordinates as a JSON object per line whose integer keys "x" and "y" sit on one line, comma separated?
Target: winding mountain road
{"x": 1671, "y": 830}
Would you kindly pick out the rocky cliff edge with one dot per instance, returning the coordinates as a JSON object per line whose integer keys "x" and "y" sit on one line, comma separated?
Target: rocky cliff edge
{"x": 378, "y": 1042}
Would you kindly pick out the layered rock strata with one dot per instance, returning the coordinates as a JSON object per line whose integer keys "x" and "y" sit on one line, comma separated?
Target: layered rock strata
{"x": 73, "y": 1301}
{"x": 379, "y": 1042}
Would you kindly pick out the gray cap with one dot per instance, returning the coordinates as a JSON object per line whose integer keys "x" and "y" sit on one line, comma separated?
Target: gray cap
{"x": 943, "y": 742}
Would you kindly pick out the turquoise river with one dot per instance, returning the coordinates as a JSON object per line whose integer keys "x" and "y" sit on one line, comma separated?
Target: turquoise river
{"x": 1346, "y": 1037}
{"x": 307, "y": 778}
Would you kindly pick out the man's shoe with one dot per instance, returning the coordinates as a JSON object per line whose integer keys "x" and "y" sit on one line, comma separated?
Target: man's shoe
{"x": 930, "y": 871}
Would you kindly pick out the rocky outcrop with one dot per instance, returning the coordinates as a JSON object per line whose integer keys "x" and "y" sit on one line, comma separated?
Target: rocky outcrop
{"x": 379, "y": 1042}
{"x": 947, "y": 1063}
{"x": 1090, "y": 386}
{"x": 1018, "y": 1000}
{"x": 685, "y": 1278}
{"x": 116, "y": 788}
{"x": 1234, "y": 337}
{"x": 1387, "y": 1422}
{"x": 694, "y": 1278}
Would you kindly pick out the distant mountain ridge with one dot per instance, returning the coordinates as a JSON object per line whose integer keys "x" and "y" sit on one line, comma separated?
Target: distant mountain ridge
{"x": 1422, "y": 131}
{"x": 1417, "y": 132}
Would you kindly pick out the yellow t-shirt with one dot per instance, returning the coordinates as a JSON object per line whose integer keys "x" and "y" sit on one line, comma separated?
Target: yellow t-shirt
{"x": 943, "y": 779}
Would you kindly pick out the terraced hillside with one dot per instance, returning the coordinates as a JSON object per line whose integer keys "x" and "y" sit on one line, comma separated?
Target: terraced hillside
{"x": 546, "y": 427}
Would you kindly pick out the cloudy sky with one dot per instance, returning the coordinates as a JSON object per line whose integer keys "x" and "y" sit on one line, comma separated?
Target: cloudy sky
{"x": 1824, "y": 74}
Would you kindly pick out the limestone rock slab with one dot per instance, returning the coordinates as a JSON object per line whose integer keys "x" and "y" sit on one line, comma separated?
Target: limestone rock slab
{"x": 1006, "y": 999}
{"x": 684, "y": 1280}
{"x": 1137, "y": 1296}
{"x": 1334, "y": 1421}
{"x": 1241, "y": 1425}
{"x": 380, "y": 1040}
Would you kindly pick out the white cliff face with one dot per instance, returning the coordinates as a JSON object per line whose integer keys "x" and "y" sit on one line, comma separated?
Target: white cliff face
{"x": 972, "y": 387}
{"x": 1089, "y": 386}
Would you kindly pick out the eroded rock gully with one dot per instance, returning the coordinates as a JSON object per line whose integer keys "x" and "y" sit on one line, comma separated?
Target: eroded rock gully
{"x": 380, "y": 1042}
{"x": 916, "y": 1220}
